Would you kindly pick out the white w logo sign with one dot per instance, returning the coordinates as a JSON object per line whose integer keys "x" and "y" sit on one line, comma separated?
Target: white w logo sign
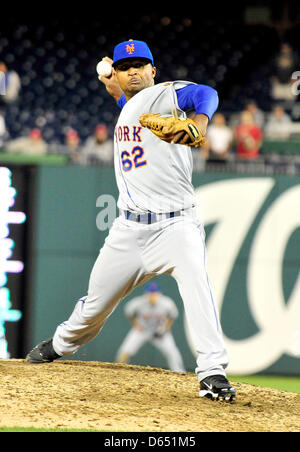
{"x": 233, "y": 206}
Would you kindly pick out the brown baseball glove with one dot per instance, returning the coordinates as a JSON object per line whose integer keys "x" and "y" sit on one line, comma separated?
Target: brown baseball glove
{"x": 173, "y": 129}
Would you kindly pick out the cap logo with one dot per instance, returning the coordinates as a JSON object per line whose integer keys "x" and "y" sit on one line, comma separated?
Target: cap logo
{"x": 130, "y": 48}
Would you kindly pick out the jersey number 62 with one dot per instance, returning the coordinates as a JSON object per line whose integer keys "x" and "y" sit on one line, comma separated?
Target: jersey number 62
{"x": 133, "y": 159}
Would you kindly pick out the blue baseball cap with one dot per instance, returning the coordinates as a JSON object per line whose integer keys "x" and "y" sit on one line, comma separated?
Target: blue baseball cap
{"x": 152, "y": 287}
{"x": 132, "y": 49}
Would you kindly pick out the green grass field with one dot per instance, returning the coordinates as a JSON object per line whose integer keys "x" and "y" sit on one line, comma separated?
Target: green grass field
{"x": 290, "y": 384}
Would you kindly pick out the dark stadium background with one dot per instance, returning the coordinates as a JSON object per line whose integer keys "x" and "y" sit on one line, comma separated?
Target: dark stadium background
{"x": 55, "y": 48}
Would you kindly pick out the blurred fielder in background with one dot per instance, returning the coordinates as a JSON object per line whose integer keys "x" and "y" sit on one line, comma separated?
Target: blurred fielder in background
{"x": 152, "y": 316}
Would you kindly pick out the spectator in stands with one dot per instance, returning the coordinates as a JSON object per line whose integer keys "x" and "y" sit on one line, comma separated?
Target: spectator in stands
{"x": 258, "y": 115}
{"x": 10, "y": 85}
{"x": 3, "y": 131}
{"x": 248, "y": 136}
{"x": 278, "y": 125}
{"x": 72, "y": 141}
{"x": 71, "y": 147}
{"x": 98, "y": 148}
{"x": 286, "y": 62}
{"x": 32, "y": 145}
{"x": 219, "y": 140}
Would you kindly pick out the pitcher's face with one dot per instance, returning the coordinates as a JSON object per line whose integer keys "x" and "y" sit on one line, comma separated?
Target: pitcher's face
{"x": 134, "y": 75}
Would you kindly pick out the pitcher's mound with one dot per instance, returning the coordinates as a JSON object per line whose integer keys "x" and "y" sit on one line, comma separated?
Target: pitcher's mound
{"x": 117, "y": 397}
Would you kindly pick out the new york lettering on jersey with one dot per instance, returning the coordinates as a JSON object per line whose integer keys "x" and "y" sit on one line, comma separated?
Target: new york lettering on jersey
{"x": 135, "y": 158}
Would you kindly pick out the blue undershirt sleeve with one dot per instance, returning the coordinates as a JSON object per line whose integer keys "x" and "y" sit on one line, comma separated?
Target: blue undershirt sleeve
{"x": 122, "y": 101}
{"x": 201, "y": 98}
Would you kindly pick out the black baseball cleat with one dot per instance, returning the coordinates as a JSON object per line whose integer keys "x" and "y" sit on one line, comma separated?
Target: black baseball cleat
{"x": 217, "y": 387}
{"x": 42, "y": 353}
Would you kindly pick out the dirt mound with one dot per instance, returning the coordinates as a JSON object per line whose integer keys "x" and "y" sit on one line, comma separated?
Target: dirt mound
{"x": 116, "y": 397}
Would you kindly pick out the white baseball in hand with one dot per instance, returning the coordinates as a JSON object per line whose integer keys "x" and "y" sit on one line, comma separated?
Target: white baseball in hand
{"x": 104, "y": 69}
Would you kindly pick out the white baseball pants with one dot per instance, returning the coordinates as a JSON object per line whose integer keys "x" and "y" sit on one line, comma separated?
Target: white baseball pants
{"x": 132, "y": 254}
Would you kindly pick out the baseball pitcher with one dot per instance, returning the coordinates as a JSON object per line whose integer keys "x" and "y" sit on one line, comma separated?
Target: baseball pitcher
{"x": 156, "y": 231}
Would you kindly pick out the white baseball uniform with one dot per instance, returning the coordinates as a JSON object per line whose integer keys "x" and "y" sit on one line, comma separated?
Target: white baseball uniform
{"x": 155, "y": 190}
{"x": 152, "y": 319}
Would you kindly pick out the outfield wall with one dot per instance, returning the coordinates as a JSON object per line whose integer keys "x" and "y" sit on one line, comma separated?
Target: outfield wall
{"x": 253, "y": 249}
